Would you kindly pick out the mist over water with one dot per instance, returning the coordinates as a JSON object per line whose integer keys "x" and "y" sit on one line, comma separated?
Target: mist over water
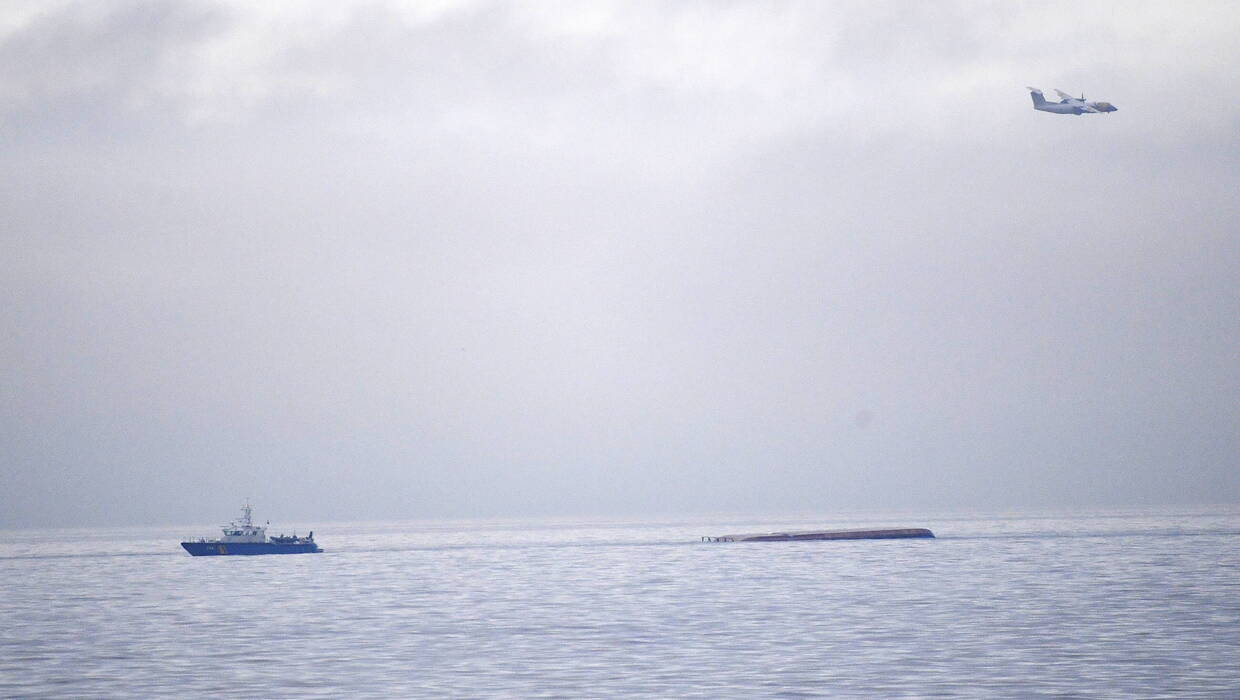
{"x": 1100, "y": 604}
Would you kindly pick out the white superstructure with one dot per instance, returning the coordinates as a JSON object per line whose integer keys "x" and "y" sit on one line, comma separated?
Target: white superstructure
{"x": 244, "y": 530}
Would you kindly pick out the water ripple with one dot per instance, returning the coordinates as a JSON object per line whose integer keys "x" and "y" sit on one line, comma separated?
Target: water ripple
{"x": 1142, "y": 604}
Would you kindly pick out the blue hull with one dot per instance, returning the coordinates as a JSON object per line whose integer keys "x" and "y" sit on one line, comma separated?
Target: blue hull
{"x": 215, "y": 549}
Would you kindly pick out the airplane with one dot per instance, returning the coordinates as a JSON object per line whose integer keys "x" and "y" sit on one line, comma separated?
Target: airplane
{"x": 1069, "y": 104}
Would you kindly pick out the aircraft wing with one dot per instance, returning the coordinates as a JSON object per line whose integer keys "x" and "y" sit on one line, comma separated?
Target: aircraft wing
{"x": 1087, "y": 108}
{"x": 1063, "y": 94}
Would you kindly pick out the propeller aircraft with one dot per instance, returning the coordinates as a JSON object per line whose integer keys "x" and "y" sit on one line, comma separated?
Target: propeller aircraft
{"x": 1069, "y": 104}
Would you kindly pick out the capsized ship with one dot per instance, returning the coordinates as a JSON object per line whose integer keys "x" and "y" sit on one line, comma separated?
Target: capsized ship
{"x": 797, "y": 535}
{"x": 244, "y": 537}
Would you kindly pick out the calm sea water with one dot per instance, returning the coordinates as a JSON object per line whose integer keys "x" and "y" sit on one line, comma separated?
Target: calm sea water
{"x": 1101, "y": 604}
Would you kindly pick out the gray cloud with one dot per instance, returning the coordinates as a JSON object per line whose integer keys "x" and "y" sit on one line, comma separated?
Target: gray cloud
{"x": 374, "y": 261}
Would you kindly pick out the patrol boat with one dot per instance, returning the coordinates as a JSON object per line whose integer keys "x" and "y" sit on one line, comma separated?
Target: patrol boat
{"x": 244, "y": 537}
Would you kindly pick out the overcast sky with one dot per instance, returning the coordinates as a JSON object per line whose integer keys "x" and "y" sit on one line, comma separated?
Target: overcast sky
{"x": 441, "y": 259}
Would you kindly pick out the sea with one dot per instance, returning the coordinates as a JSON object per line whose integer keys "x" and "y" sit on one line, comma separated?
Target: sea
{"x": 1085, "y": 604}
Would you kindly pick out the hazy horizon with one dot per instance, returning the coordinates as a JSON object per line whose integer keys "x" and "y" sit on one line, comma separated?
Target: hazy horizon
{"x": 361, "y": 261}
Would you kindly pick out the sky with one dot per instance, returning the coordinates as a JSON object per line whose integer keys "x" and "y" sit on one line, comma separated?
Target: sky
{"x": 372, "y": 260}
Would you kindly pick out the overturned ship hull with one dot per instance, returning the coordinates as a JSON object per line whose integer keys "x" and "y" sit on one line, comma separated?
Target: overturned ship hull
{"x": 894, "y": 534}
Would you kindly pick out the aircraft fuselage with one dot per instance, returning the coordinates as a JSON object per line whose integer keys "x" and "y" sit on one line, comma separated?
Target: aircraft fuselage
{"x": 1059, "y": 108}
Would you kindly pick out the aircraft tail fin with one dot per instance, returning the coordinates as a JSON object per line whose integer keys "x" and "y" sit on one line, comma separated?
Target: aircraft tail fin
{"x": 1038, "y": 97}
